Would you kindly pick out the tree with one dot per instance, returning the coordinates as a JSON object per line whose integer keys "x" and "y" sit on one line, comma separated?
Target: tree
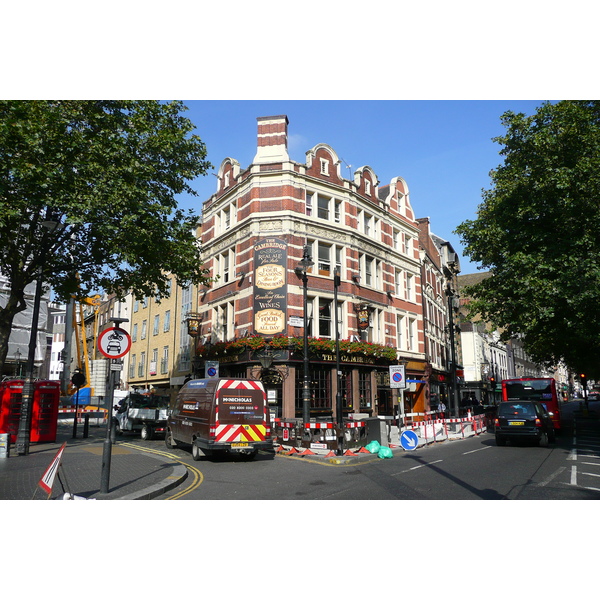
{"x": 538, "y": 233}
{"x": 88, "y": 199}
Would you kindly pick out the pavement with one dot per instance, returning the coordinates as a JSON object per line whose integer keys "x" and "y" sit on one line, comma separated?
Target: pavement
{"x": 134, "y": 474}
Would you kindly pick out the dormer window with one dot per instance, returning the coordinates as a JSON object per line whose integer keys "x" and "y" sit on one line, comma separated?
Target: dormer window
{"x": 367, "y": 187}
{"x": 324, "y": 167}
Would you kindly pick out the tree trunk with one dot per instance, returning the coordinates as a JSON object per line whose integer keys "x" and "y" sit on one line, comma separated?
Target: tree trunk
{"x": 15, "y": 304}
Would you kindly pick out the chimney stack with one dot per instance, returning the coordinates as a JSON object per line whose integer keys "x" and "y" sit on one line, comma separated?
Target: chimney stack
{"x": 272, "y": 140}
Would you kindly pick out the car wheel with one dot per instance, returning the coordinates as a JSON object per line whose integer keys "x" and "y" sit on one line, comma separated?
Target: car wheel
{"x": 544, "y": 440}
{"x": 146, "y": 432}
{"x": 500, "y": 441}
{"x": 169, "y": 441}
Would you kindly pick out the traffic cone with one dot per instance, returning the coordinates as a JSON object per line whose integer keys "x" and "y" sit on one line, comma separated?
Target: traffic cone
{"x": 331, "y": 453}
{"x": 306, "y": 452}
{"x": 293, "y": 451}
{"x": 349, "y": 453}
{"x": 363, "y": 450}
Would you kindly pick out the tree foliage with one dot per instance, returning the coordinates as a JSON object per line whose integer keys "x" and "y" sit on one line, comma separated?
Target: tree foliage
{"x": 108, "y": 172}
{"x": 538, "y": 233}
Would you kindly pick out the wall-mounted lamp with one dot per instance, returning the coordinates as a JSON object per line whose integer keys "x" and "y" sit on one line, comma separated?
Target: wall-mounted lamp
{"x": 356, "y": 278}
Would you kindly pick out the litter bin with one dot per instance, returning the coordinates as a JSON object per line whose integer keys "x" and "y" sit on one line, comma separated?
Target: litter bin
{"x": 4, "y": 445}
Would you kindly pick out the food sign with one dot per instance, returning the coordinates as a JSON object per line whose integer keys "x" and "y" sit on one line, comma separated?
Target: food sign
{"x": 270, "y": 286}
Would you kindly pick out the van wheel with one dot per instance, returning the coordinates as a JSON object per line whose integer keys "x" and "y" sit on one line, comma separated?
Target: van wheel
{"x": 146, "y": 432}
{"x": 197, "y": 454}
{"x": 169, "y": 442}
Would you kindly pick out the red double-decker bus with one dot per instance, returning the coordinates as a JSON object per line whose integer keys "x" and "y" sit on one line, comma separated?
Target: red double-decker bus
{"x": 542, "y": 389}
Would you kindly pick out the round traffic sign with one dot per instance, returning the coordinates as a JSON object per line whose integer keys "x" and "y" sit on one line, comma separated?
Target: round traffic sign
{"x": 397, "y": 377}
{"x": 114, "y": 342}
{"x": 409, "y": 440}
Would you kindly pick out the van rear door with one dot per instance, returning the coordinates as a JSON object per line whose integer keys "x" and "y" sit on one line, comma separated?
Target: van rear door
{"x": 242, "y": 417}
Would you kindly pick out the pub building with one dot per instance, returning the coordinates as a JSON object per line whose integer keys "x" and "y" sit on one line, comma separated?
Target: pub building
{"x": 295, "y": 247}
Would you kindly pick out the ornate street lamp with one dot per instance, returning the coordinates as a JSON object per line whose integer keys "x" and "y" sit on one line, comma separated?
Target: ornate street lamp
{"x": 301, "y": 271}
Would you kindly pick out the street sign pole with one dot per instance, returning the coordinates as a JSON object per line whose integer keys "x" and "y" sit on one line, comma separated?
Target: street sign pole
{"x": 107, "y": 447}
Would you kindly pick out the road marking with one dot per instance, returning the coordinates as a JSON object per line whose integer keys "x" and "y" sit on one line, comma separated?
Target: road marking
{"x": 572, "y": 454}
{"x": 573, "y": 475}
{"x": 591, "y": 474}
{"x": 417, "y": 467}
{"x": 198, "y": 476}
{"x": 549, "y": 479}
{"x": 478, "y": 450}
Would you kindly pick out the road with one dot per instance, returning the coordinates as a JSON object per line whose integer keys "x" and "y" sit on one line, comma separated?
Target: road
{"x": 470, "y": 469}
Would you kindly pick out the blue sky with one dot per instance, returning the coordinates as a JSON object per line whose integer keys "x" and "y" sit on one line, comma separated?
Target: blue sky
{"x": 443, "y": 149}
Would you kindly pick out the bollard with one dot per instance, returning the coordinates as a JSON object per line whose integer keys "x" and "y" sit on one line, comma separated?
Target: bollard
{"x": 4, "y": 445}
{"x": 86, "y": 425}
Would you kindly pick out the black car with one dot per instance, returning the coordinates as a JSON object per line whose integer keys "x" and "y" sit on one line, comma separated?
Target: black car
{"x": 523, "y": 420}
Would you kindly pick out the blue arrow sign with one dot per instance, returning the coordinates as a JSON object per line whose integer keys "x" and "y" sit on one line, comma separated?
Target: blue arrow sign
{"x": 409, "y": 440}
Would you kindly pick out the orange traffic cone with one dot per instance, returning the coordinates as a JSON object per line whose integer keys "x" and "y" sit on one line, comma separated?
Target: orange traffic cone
{"x": 349, "y": 453}
{"x": 363, "y": 450}
{"x": 306, "y": 452}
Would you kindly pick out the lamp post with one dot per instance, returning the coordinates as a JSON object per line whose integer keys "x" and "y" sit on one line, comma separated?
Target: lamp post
{"x": 301, "y": 271}
{"x": 338, "y": 393}
{"x": 450, "y": 294}
{"x": 24, "y": 430}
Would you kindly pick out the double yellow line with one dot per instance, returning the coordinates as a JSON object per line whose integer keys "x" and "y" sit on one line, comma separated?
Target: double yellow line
{"x": 198, "y": 478}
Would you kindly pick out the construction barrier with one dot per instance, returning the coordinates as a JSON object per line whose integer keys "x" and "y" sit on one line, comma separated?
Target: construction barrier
{"x": 439, "y": 430}
{"x": 65, "y": 415}
{"x": 317, "y": 435}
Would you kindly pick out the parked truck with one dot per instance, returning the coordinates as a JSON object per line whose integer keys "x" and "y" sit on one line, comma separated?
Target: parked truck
{"x": 145, "y": 412}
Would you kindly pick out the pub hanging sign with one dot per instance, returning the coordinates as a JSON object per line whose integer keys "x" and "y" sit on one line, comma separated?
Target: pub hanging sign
{"x": 362, "y": 313}
{"x": 270, "y": 286}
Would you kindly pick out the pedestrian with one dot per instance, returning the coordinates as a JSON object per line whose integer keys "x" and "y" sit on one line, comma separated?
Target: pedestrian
{"x": 441, "y": 409}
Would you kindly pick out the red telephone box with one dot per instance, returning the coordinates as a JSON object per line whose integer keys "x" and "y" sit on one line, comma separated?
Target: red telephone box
{"x": 44, "y": 409}
{"x": 11, "y": 392}
{"x": 44, "y": 416}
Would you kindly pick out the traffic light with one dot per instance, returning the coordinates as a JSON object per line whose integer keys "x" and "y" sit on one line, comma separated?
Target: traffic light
{"x": 583, "y": 380}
